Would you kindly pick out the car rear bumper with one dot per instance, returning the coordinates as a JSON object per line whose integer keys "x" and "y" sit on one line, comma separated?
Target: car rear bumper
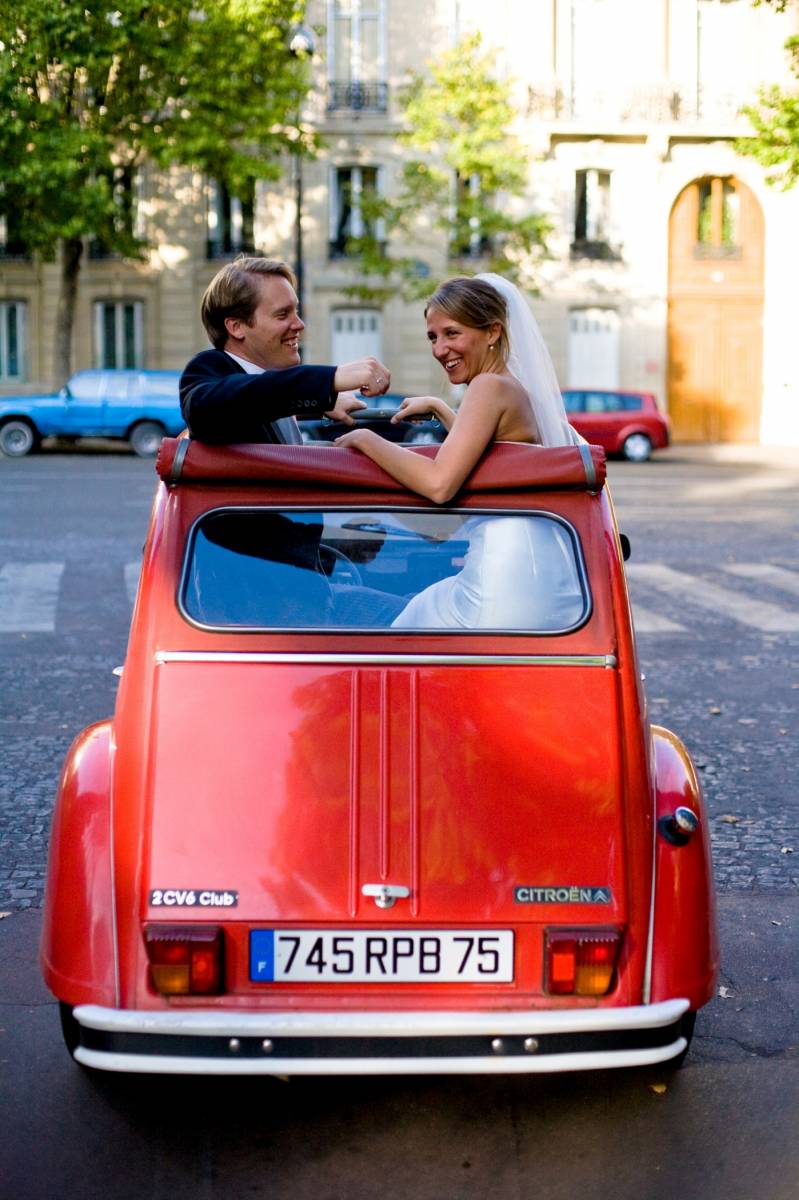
{"x": 222, "y": 1042}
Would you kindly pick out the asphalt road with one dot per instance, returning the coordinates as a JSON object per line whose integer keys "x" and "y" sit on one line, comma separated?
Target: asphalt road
{"x": 716, "y": 594}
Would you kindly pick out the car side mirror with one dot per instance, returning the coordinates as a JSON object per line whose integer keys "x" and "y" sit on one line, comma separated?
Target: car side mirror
{"x": 626, "y": 548}
{"x": 64, "y": 393}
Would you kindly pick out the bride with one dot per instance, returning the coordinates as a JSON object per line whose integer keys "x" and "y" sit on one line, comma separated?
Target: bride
{"x": 483, "y": 334}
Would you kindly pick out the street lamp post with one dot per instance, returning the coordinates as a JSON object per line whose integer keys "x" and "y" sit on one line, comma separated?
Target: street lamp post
{"x": 302, "y": 45}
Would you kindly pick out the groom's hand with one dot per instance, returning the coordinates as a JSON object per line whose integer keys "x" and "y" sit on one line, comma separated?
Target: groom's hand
{"x": 346, "y": 404}
{"x": 366, "y": 375}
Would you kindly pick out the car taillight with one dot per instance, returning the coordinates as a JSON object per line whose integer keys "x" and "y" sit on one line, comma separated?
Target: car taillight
{"x": 581, "y": 962}
{"x": 185, "y": 960}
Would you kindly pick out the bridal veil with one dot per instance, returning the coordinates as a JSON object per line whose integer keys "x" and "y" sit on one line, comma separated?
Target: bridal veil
{"x": 531, "y": 364}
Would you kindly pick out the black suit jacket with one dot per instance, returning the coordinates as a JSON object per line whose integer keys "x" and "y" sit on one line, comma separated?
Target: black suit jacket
{"x": 221, "y": 403}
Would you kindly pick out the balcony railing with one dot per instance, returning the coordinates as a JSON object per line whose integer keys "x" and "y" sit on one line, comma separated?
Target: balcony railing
{"x": 662, "y": 105}
{"x": 596, "y": 249}
{"x": 728, "y": 250}
{"x": 216, "y": 248}
{"x": 357, "y": 96}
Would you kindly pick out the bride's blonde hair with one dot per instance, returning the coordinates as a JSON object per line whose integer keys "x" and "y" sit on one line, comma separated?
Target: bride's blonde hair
{"x": 474, "y": 303}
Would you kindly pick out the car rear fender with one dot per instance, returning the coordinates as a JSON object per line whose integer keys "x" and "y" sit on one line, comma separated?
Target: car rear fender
{"x": 634, "y": 426}
{"x": 78, "y": 944}
{"x": 685, "y": 955}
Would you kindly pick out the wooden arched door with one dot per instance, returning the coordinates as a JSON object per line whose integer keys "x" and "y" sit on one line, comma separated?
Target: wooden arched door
{"x": 715, "y": 332}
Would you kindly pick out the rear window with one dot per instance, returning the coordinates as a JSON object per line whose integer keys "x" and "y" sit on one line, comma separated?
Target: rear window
{"x": 159, "y": 383}
{"x": 574, "y": 402}
{"x": 384, "y": 570}
{"x": 601, "y": 402}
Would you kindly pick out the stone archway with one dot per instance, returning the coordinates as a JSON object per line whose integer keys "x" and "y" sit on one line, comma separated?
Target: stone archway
{"x": 715, "y": 334}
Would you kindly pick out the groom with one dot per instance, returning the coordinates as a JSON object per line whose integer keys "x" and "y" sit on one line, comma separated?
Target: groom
{"x": 252, "y": 386}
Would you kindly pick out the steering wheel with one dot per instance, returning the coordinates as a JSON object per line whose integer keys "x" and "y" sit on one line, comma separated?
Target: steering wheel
{"x": 349, "y": 568}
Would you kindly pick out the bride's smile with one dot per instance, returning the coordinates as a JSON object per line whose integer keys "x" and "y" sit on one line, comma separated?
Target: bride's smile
{"x": 462, "y": 351}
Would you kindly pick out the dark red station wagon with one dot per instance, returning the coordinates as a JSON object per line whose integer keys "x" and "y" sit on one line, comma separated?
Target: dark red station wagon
{"x": 627, "y": 423}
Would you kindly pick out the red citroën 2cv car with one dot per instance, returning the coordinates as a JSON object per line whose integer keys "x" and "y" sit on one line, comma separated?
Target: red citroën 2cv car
{"x": 317, "y": 837}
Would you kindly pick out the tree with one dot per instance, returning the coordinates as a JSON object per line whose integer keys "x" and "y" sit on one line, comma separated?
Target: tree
{"x": 91, "y": 89}
{"x": 465, "y": 167}
{"x": 775, "y": 119}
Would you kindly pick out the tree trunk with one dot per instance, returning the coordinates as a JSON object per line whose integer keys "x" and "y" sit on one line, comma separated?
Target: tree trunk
{"x": 71, "y": 253}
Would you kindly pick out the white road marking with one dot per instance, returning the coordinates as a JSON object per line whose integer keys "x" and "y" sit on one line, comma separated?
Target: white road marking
{"x": 778, "y": 577}
{"x": 29, "y": 596}
{"x": 690, "y": 589}
{"x": 132, "y": 572}
{"x": 646, "y": 621}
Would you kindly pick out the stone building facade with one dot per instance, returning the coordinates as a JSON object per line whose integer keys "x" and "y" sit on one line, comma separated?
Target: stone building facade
{"x": 672, "y": 262}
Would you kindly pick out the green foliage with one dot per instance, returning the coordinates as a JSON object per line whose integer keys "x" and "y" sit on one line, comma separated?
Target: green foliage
{"x": 775, "y": 120}
{"x": 465, "y": 167}
{"x": 90, "y": 89}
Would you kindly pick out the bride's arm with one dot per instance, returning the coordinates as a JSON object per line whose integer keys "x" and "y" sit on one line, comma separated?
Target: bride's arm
{"x": 423, "y": 406}
{"x": 439, "y": 478}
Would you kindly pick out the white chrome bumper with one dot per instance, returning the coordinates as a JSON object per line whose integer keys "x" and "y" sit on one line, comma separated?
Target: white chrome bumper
{"x": 223, "y": 1042}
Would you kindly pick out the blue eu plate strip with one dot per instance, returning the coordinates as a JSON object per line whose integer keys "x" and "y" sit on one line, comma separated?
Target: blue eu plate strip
{"x": 262, "y": 955}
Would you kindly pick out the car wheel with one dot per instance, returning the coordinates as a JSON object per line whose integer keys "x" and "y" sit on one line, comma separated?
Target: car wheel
{"x": 637, "y": 447}
{"x": 69, "y": 1027}
{"x": 17, "y": 438}
{"x": 145, "y": 438}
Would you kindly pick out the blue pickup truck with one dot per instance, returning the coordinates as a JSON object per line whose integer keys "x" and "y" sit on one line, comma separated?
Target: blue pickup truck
{"x": 139, "y": 406}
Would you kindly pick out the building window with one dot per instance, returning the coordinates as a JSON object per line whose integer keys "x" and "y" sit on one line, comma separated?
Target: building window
{"x": 356, "y": 54}
{"x": 118, "y": 334}
{"x": 126, "y": 221}
{"x": 593, "y": 348}
{"x": 470, "y": 239}
{"x": 592, "y": 233}
{"x": 726, "y": 67}
{"x": 11, "y": 243}
{"x": 229, "y": 220}
{"x": 717, "y": 219}
{"x": 604, "y": 79}
{"x": 356, "y": 333}
{"x": 12, "y": 339}
{"x": 350, "y": 191}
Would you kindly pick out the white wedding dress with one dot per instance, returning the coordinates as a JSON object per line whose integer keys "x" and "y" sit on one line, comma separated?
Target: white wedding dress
{"x": 517, "y": 574}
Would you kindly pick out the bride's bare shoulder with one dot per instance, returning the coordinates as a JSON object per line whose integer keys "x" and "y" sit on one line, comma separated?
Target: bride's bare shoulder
{"x": 505, "y": 388}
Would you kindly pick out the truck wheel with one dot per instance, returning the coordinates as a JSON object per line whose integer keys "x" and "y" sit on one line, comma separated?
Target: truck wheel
{"x": 145, "y": 438}
{"x": 637, "y": 447}
{"x": 17, "y": 438}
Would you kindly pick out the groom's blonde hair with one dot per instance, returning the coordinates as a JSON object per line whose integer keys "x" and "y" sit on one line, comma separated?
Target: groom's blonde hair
{"x": 235, "y": 291}
{"x": 474, "y": 303}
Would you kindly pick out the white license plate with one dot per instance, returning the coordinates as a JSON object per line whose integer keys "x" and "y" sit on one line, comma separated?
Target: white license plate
{"x": 381, "y": 956}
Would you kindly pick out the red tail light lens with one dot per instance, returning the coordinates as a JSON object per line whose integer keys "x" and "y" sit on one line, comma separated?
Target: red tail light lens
{"x": 185, "y": 960}
{"x": 581, "y": 962}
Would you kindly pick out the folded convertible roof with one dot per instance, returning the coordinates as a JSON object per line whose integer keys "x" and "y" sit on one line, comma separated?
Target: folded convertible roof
{"x": 507, "y": 466}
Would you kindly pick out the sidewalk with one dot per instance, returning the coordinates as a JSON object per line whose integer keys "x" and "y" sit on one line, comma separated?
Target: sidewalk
{"x": 731, "y": 452}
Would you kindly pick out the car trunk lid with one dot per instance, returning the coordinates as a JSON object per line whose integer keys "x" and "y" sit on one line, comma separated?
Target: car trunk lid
{"x": 492, "y": 791}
